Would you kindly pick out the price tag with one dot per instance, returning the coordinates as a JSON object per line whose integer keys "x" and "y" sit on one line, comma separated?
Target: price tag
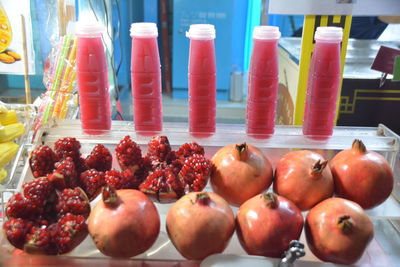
{"x": 384, "y": 60}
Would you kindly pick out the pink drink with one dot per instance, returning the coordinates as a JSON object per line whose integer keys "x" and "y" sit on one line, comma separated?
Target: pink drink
{"x": 323, "y": 83}
{"x": 146, "y": 78}
{"x": 202, "y": 80}
{"x": 92, "y": 76}
{"x": 263, "y": 82}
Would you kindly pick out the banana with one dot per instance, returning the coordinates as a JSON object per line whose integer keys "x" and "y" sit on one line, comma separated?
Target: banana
{"x": 3, "y": 175}
{"x": 8, "y": 150}
{"x": 8, "y": 117}
{"x": 11, "y": 131}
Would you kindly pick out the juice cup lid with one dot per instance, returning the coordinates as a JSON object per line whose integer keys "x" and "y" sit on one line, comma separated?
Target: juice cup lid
{"x": 266, "y": 32}
{"x": 201, "y": 31}
{"x": 144, "y": 29}
{"x": 89, "y": 28}
{"x": 329, "y": 33}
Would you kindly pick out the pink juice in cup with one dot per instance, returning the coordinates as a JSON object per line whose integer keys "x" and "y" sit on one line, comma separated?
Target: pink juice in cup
{"x": 263, "y": 82}
{"x": 323, "y": 83}
{"x": 202, "y": 80}
{"x": 146, "y": 78}
{"x": 92, "y": 77}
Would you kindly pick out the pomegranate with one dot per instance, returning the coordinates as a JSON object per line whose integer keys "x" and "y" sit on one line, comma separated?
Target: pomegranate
{"x": 200, "y": 224}
{"x": 338, "y": 230}
{"x": 241, "y": 172}
{"x": 124, "y": 223}
{"x": 267, "y": 223}
{"x": 304, "y": 178}
{"x": 367, "y": 171}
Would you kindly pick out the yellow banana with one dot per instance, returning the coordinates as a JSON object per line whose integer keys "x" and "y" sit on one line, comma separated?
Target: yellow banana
{"x": 8, "y": 150}
{"x": 8, "y": 117}
{"x": 3, "y": 175}
{"x": 11, "y": 131}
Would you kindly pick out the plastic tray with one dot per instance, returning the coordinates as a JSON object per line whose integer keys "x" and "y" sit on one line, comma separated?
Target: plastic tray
{"x": 383, "y": 250}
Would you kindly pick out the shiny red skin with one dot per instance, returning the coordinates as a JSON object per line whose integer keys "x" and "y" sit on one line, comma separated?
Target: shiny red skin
{"x": 239, "y": 180}
{"x": 295, "y": 179}
{"x": 198, "y": 230}
{"x": 127, "y": 229}
{"x": 267, "y": 231}
{"x": 369, "y": 173}
{"x": 328, "y": 241}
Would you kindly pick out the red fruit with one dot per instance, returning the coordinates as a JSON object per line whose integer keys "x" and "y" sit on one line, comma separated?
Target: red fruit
{"x": 71, "y": 231}
{"x": 367, "y": 171}
{"x": 16, "y": 230}
{"x": 338, "y": 230}
{"x": 267, "y": 223}
{"x": 189, "y": 149}
{"x": 175, "y": 166}
{"x": 21, "y": 207}
{"x": 163, "y": 186}
{"x": 159, "y": 148}
{"x": 99, "y": 159}
{"x": 42, "y": 161}
{"x": 73, "y": 201}
{"x": 241, "y": 172}
{"x": 304, "y": 178}
{"x": 128, "y": 154}
{"x": 122, "y": 180}
{"x": 195, "y": 172}
{"x": 65, "y": 175}
{"x": 41, "y": 241}
{"x": 38, "y": 190}
{"x": 92, "y": 181}
{"x": 81, "y": 166}
{"x": 200, "y": 224}
{"x": 67, "y": 147}
{"x": 124, "y": 223}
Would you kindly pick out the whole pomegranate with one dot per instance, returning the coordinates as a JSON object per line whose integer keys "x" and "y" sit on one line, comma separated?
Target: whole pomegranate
{"x": 200, "y": 224}
{"x": 367, "y": 171}
{"x": 241, "y": 172}
{"x": 304, "y": 178}
{"x": 124, "y": 223}
{"x": 267, "y": 223}
{"x": 338, "y": 230}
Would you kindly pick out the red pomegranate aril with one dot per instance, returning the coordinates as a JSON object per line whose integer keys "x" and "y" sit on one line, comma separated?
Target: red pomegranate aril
{"x": 195, "y": 172}
{"x": 41, "y": 241}
{"x": 163, "y": 186}
{"x": 39, "y": 189}
{"x": 100, "y": 159}
{"x": 67, "y": 147}
{"x": 159, "y": 148}
{"x": 71, "y": 231}
{"x": 128, "y": 154}
{"x": 73, "y": 201}
{"x": 92, "y": 182}
{"x": 122, "y": 179}
{"x": 20, "y": 207}
{"x": 41, "y": 161}
{"x": 65, "y": 174}
{"x": 16, "y": 230}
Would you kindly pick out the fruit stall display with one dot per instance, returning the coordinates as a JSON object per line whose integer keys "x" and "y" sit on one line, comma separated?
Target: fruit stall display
{"x": 72, "y": 195}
